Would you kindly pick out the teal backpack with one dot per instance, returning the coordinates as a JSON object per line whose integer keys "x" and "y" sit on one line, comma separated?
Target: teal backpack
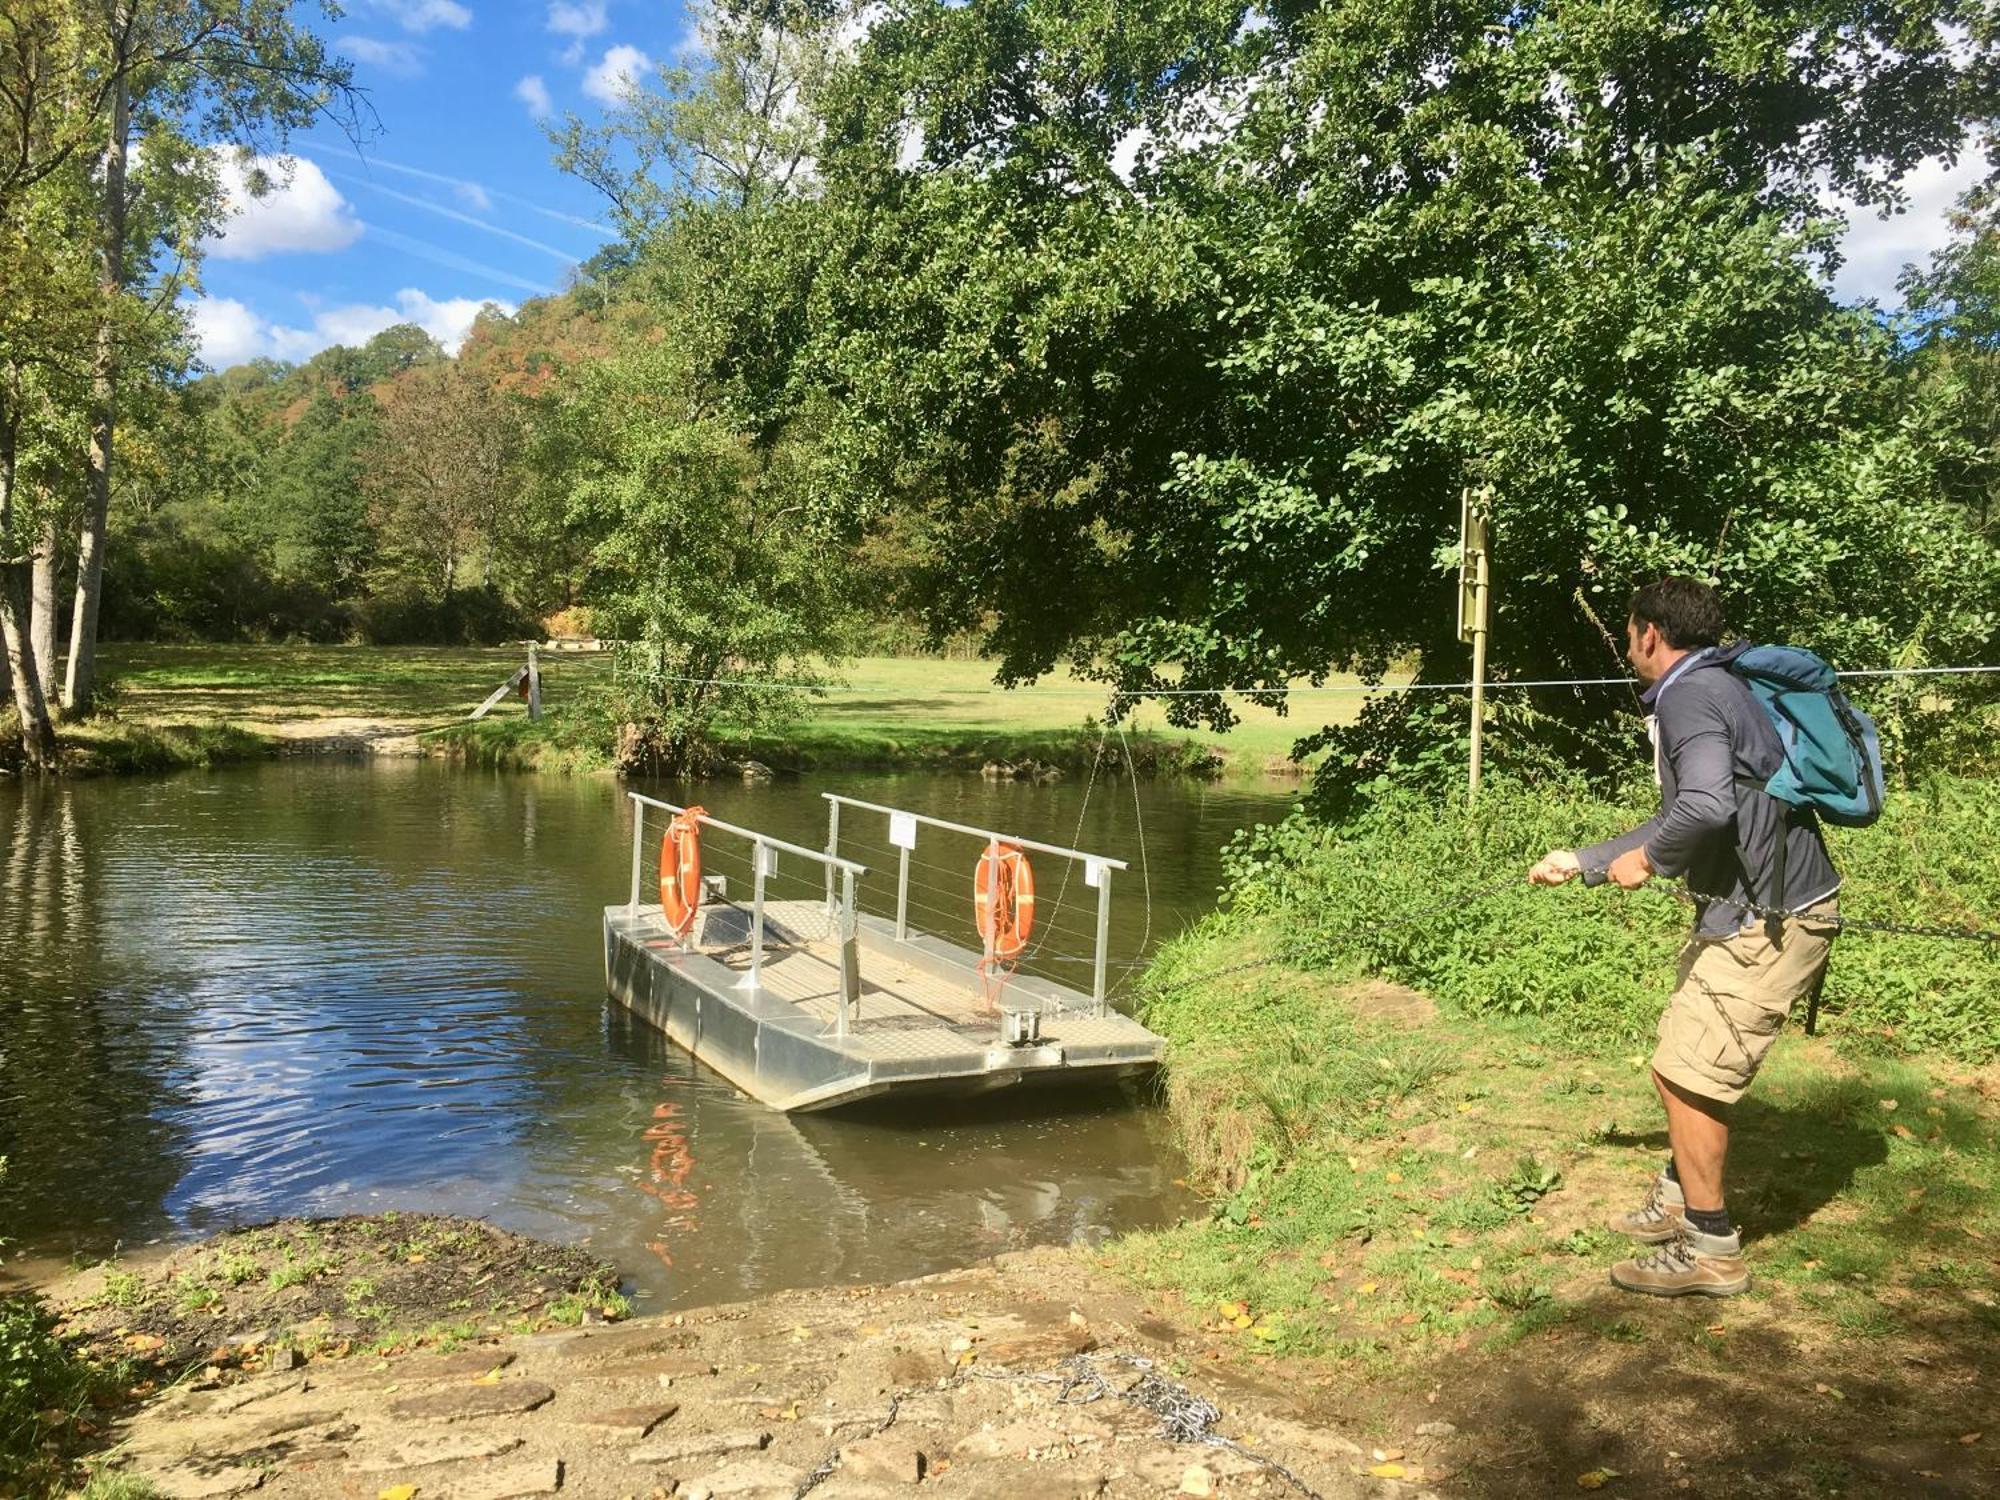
{"x": 1833, "y": 756}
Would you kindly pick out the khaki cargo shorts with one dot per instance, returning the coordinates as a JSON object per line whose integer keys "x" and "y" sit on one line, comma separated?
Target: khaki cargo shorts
{"x": 1732, "y": 999}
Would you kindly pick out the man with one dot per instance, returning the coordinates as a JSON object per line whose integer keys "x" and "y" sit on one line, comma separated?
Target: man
{"x": 1740, "y": 974}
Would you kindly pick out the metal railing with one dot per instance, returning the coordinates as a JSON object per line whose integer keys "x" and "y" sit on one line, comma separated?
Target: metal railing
{"x": 763, "y": 851}
{"x": 903, "y": 825}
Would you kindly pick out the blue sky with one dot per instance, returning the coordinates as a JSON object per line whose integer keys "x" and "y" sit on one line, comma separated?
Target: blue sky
{"x": 454, "y": 202}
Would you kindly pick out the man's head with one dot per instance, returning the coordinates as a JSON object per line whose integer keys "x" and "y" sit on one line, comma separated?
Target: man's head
{"x": 1667, "y": 620}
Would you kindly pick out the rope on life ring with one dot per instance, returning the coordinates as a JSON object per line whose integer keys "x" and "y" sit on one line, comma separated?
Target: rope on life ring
{"x": 680, "y": 871}
{"x": 1003, "y": 901}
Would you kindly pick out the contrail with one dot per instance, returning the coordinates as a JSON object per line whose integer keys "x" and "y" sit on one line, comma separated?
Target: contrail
{"x": 449, "y": 181}
{"x": 425, "y": 250}
{"x": 450, "y": 213}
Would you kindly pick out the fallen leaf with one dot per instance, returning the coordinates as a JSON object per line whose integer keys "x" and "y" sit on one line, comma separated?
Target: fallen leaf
{"x": 491, "y": 1377}
{"x": 144, "y": 1343}
{"x": 1230, "y": 1311}
{"x": 1903, "y": 1131}
{"x": 1716, "y": 1330}
{"x": 1971, "y": 1437}
{"x": 1387, "y": 1471}
{"x": 1366, "y": 1287}
{"x": 1241, "y": 1320}
{"x": 1354, "y": 1164}
{"x": 1595, "y": 1479}
{"x": 1820, "y": 1387}
{"x": 1387, "y": 1455}
{"x": 1888, "y": 1105}
{"x": 396, "y": 1492}
{"x": 1392, "y": 1177}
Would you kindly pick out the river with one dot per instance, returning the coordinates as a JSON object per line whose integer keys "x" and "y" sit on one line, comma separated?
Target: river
{"x": 316, "y": 988}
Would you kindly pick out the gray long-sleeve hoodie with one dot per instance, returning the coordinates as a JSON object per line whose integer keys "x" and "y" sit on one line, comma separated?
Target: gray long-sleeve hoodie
{"x": 1714, "y": 748}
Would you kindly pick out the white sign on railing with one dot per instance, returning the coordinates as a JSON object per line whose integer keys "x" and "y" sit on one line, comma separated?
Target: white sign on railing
{"x": 903, "y": 830}
{"x": 767, "y": 860}
{"x": 1093, "y": 873}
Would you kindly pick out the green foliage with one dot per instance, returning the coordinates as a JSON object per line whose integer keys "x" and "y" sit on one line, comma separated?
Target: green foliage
{"x": 1598, "y": 960}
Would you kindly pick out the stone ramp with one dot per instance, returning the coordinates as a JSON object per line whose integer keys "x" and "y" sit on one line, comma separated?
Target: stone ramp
{"x": 949, "y": 1386}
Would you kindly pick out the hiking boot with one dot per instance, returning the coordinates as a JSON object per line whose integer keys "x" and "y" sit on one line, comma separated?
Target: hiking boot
{"x": 1689, "y": 1264}
{"x": 1659, "y": 1218}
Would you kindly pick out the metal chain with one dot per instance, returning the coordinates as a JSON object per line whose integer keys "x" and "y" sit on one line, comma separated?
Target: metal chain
{"x": 1323, "y": 940}
{"x": 1941, "y": 930}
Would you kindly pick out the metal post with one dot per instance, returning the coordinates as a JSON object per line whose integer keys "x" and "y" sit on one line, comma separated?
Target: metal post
{"x": 1474, "y": 579}
{"x": 534, "y": 683}
{"x": 832, "y": 850}
{"x": 903, "y": 897}
{"x": 759, "y": 858}
{"x": 850, "y": 952}
{"x": 638, "y": 853}
{"x": 1103, "y": 937}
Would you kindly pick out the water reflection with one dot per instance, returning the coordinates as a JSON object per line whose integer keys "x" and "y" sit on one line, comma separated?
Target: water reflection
{"x": 318, "y": 989}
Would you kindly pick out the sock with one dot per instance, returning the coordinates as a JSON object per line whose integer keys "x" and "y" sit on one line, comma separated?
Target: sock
{"x": 1673, "y": 1173}
{"x": 1710, "y": 1220}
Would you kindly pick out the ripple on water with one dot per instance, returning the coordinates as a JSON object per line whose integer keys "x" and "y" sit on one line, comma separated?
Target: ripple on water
{"x": 315, "y": 989}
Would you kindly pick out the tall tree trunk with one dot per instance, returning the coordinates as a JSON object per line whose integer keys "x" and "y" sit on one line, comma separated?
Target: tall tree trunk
{"x": 42, "y": 607}
{"x": 80, "y": 686}
{"x": 38, "y": 736}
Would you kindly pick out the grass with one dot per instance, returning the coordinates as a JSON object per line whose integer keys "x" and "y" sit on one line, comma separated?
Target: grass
{"x": 176, "y": 704}
{"x": 1409, "y": 1212}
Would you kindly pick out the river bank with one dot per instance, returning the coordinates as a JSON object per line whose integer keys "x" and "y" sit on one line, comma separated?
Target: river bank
{"x": 172, "y": 707}
{"x": 1033, "y": 1375}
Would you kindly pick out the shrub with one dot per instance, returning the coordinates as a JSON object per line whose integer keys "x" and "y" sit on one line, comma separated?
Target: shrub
{"x": 1598, "y": 962}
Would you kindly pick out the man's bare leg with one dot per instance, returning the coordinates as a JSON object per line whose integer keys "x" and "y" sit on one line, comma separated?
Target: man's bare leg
{"x": 1698, "y": 1130}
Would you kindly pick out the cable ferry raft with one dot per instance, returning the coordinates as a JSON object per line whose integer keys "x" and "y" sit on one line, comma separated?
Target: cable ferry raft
{"x": 806, "y": 1002}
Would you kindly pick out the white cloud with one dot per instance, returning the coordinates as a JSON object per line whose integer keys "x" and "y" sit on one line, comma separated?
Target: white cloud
{"x": 227, "y": 331}
{"x": 425, "y": 15}
{"x": 1877, "y": 249}
{"x": 303, "y": 213}
{"x": 532, "y": 92}
{"x": 230, "y": 333}
{"x": 474, "y": 197}
{"x": 578, "y": 22}
{"x": 397, "y": 59}
{"x": 613, "y": 79}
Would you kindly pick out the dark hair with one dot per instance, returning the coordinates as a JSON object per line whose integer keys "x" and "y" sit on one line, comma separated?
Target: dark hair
{"x": 1688, "y": 613}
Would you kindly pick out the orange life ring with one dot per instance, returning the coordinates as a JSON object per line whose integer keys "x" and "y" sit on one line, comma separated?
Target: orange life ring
{"x": 1003, "y": 901}
{"x": 680, "y": 871}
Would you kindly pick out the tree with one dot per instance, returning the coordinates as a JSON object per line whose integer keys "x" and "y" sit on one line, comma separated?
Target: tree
{"x": 444, "y": 472}
{"x": 180, "y": 75}
{"x": 1173, "y": 345}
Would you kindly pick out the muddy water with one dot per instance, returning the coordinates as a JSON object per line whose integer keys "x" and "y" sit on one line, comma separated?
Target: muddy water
{"x": 311, "y": 988}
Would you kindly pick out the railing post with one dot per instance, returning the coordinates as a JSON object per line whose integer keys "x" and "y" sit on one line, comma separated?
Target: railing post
{"x": 903, "y": 897}
{"x": 832, "y": 849}
{"x": 638, "y": 854}
{"x": 762, "y": 858}
{"x": 850, "y": 951}
{"x": 1103, "y": 936}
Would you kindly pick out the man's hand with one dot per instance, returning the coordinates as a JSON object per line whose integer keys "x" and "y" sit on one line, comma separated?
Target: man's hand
{"x": 1630, "y": 870}
{"x": 1555, "y": 867}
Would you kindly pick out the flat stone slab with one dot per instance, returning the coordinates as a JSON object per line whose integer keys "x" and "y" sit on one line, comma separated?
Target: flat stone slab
{"x": 424, "y": 1369}
{"x": 204, "y": 1481}
{"x": 512, "y": 1480}
{"x": 436, "y": 1448}
{"x": 622, "y": 1343}
{"x": 464, "y": 1403}
{"x": 748, "y": 1479}
{"x": 886, "y": 1459}
{"x": 629, "y": 1421}
{"x": 707, "y": 1445}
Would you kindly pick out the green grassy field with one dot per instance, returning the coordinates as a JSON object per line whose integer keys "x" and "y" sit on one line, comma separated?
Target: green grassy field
{"x": 1409, "y": 1208}
{"x": 886, "y": 710}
